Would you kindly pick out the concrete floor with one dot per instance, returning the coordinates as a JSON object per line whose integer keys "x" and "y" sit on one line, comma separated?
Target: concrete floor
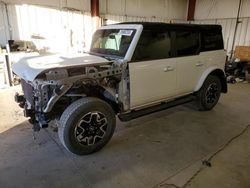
{"x": 165, "y": 149}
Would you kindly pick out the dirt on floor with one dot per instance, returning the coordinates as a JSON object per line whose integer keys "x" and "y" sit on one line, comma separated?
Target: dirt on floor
{"x": 177, "y": 147}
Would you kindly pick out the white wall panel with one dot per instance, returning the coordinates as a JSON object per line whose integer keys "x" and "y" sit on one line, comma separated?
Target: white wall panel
{"x": 83, "y": 5}
{"x": 58, "y": 30}
{"x": 228, "y": 27}
{"x": 4, "y": 32}
{"x": 111, "y": 19}
{"x": 218, "y": 9}
{"x": 171, "y": 9}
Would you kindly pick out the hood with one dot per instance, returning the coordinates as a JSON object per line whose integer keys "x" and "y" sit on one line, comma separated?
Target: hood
{"x": 29, "y": 68}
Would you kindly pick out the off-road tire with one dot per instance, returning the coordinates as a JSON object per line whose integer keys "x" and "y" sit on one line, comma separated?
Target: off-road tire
{"x": 72, "y": 116}
{"x": 212, "y": 85}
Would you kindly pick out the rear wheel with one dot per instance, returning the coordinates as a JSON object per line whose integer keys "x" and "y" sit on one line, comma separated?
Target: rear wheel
{"x": 86, "y": 126}
{"x": 209, "y": 94}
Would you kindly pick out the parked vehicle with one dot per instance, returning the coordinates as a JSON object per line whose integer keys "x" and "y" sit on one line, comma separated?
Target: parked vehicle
{"x": 132, "y": 69}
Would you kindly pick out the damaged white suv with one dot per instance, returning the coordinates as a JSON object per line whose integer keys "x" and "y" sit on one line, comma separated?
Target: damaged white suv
{"x": 132, "y": 69}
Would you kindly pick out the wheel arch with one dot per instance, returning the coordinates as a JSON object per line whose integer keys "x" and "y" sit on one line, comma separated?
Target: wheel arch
{"x": 216, "y": 72}
{"x": 89, "y": 90}
{"x": 101, "y": 93}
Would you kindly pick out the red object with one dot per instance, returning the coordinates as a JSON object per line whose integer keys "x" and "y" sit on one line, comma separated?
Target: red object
{"x": 95, "y": 8}
{"x": 191, "y": 10}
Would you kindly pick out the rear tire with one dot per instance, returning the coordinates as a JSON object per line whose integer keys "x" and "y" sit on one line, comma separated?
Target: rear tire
{"x": 86, "y": 126}
{"x": 209, "y": 94}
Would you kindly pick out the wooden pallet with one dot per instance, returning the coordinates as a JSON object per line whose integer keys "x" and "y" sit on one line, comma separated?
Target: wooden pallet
{"x": 242, "y": 53}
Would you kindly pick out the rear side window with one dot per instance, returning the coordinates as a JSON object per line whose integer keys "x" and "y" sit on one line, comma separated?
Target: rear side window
{"x": 153, "y": 45}
{"x": 212, "y": 40}
{"x": 187, "y": 43}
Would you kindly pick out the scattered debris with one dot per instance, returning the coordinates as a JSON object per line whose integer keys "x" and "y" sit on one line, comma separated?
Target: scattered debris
{"x": 207, "y": 163}
{"x": 238, "y": 68}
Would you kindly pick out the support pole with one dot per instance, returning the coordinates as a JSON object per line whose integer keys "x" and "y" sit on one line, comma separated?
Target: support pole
{"x": 235, "y": 30}
{"x": 8, "y": 70}
{"x": 95, "y": 15}
{"x": 95, "y": 8}
{"x": 191, "y": 10}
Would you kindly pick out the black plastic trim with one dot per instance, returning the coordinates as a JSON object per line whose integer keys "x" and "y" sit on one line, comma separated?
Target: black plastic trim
{"x": 138, "y": 113}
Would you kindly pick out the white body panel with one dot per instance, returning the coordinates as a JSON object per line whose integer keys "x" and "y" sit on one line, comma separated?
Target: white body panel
{"x": 30, "y": 68}
{"x": 150, "y": 82}
{"x": 212, "y": 60}
{"x": 191, "y": 69}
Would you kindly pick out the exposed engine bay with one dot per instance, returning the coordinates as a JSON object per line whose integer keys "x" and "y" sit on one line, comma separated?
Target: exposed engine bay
{"x": 51, "y": 92}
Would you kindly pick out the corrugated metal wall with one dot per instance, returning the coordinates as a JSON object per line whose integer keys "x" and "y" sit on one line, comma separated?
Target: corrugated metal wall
{"x": 82, "y": 5}
{"x": 50, "y": 29}
{"x": 221, "y": 12}
{"x": 170, "y": 9}
{"x": 62, "y": 28}
{"x": 224, "y": 12}
{"x": 228, "y": 27}
{"x": 4, "y": 32}
{"x": 220, "y": 9}
{"x": 111, "y": 19}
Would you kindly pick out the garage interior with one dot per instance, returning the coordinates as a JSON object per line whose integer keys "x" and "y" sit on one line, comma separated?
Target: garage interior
{"x": 177, "y": 147}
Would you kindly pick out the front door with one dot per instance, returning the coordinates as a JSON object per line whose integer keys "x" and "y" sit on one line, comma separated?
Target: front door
{"x": 152, "y": 71}
{"x": 151, "y": 81}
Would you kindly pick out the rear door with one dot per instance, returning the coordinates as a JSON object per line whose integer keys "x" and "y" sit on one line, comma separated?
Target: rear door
{"x": 189, "y": 63}
{"x": 152, "y": 71}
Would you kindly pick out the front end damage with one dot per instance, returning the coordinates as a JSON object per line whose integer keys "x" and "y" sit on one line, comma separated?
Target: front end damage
{"x": 45, "y": 98}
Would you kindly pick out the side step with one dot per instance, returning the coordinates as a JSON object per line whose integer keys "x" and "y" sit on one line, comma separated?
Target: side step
{"x": 138, "y": 113}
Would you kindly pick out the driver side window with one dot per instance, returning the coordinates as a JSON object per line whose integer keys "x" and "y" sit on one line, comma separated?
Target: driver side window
{"x": 153, "y": 45}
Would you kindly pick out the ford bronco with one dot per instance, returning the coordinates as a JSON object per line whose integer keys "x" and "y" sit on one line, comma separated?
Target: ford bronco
{"x": 132, "y": 69}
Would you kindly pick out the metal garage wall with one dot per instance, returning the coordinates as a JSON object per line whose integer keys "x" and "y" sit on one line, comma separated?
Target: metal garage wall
{"x": 111, "y": 19}
{"x": 228, "y": 27}
{"x": 4, "y": 32}
{"x": 224, "y": 12}
{"x": 82, "y": 5}
{"x": 221, "y": 12}
{"x": 50, "y": 29}
{"x": 145, "y": 9}
{"x": 220, "y": 9}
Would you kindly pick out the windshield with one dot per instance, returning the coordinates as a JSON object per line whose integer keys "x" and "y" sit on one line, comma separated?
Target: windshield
{"x": 112, "y": 42}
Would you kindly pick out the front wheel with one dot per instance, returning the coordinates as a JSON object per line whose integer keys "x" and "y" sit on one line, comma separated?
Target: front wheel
{"x": 209, "y": 94}
{"x": 86, "y": 126}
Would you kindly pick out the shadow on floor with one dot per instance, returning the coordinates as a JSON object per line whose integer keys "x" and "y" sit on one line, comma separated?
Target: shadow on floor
{"x": 142, "y": 152}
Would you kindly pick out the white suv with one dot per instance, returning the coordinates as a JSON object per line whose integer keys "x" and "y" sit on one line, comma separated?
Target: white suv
{"x": 132, "y": 69}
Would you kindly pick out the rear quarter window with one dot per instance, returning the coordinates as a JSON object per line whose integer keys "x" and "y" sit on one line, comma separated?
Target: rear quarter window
{"x": 212, "y": 40}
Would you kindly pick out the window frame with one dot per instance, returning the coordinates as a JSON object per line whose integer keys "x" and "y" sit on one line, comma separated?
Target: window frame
{"x": 154, "y": 30}
{"x": 206, "y": 49}
{"x": 173, "y": 36}
{"x": 92, "y": 50}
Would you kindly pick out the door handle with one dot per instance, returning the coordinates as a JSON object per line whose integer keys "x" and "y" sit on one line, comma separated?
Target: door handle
{"x": 199, "y": 64}
{"x": 168, "y": 68}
